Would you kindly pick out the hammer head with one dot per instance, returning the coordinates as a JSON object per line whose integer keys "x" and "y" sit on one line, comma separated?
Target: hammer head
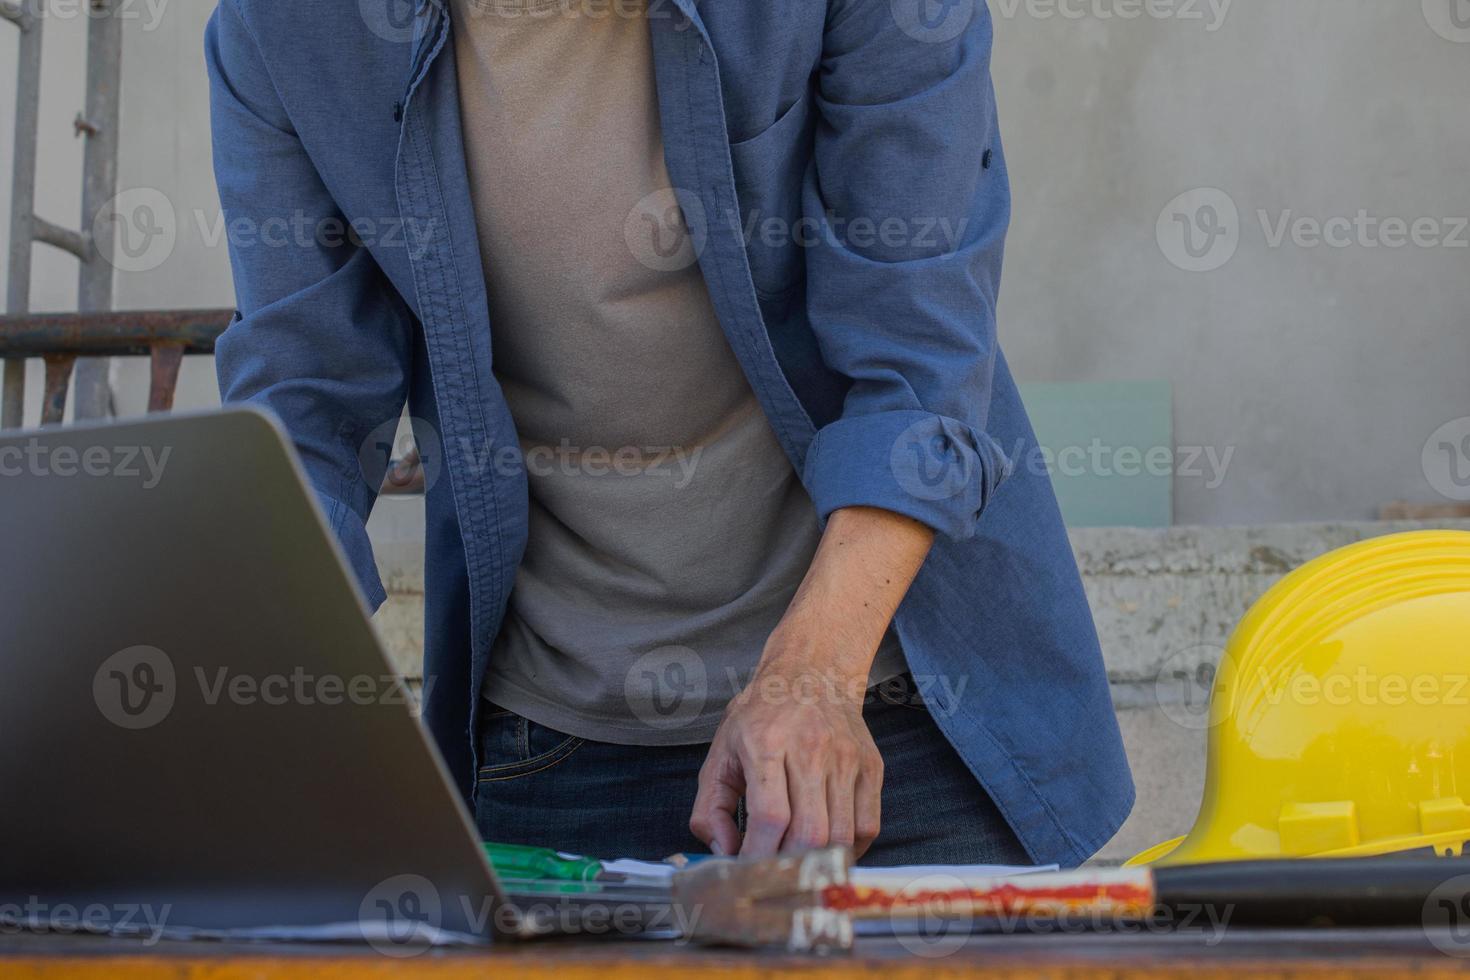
{"x": 771, "y": 902}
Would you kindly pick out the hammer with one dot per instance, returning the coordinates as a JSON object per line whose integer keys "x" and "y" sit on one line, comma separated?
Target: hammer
{"x": 780, "y": 901}
{"x": 808, "y": 903}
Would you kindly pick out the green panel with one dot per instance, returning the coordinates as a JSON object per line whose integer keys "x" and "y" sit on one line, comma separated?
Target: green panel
{"x": 1109, "y": 448}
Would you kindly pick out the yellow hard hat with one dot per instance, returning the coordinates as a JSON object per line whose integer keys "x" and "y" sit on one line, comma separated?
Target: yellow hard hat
{"x": 1340, "y": 716}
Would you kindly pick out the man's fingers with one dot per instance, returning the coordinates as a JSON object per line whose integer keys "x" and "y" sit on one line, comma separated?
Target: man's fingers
{"x": 767, "y": 808}
{"x": 841, "y": 815}
{"x": 807, "y": 783}
{"x": 868, "y": 806}
{"x": 713, "y": 817}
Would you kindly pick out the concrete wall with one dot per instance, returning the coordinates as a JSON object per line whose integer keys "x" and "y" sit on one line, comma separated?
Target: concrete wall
{"x": 1327, "y": 368}
{"x": 1324, "y": 369}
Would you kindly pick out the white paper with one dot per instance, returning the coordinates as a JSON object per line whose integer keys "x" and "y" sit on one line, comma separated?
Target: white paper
{"x": 657, "y": 870}
{"x": 902, "y": 875}
{"x": 371, "y": 931}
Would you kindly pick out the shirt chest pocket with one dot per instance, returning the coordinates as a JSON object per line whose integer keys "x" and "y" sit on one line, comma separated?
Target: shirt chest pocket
{"x": 769, "y": 171}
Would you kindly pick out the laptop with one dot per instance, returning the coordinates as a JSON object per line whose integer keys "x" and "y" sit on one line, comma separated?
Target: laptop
{"x": 200, "y": 734}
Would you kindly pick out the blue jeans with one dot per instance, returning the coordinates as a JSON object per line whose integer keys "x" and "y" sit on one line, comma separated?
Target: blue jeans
{"x": 543, "y": 787}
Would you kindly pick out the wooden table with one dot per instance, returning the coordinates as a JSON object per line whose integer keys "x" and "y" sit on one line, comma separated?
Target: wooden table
{"x": 1197, "y": 956}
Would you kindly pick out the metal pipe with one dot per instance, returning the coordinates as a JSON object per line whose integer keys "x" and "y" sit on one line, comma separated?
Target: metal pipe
{"x": 93, "y": 397}
{"x": 118, "y": 333}
{"x": 75, "y": 242}
{"x": 22, "y": 197}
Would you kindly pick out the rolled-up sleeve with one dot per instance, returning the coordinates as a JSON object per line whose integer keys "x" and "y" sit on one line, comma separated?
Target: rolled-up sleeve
{"x": 321, "y": 339}
{"x": 910, "y": 196}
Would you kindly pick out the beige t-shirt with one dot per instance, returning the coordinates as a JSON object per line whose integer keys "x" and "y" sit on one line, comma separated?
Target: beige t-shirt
{"x": 668, "y": 530}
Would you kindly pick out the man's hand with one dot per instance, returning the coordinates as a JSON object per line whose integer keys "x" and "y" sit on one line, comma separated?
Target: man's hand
{"x": 796, "y": 747}
{"x": 794, "y": 743}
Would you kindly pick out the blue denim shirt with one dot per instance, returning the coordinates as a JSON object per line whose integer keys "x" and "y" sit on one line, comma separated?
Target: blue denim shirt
{"x": 840, "y": 167}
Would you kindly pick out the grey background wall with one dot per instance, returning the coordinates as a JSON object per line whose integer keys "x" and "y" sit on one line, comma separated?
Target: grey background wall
{"x": 1327, "y": 368}
{"x": 1323, "y": 368}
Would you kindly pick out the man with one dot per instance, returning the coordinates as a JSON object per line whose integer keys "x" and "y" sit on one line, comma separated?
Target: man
{"x": 694, "y": 310}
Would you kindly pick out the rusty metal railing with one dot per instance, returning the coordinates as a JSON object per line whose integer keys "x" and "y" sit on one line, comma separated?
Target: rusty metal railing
{"x": 164, "y": 336}
{"x": 98, "y": 123}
